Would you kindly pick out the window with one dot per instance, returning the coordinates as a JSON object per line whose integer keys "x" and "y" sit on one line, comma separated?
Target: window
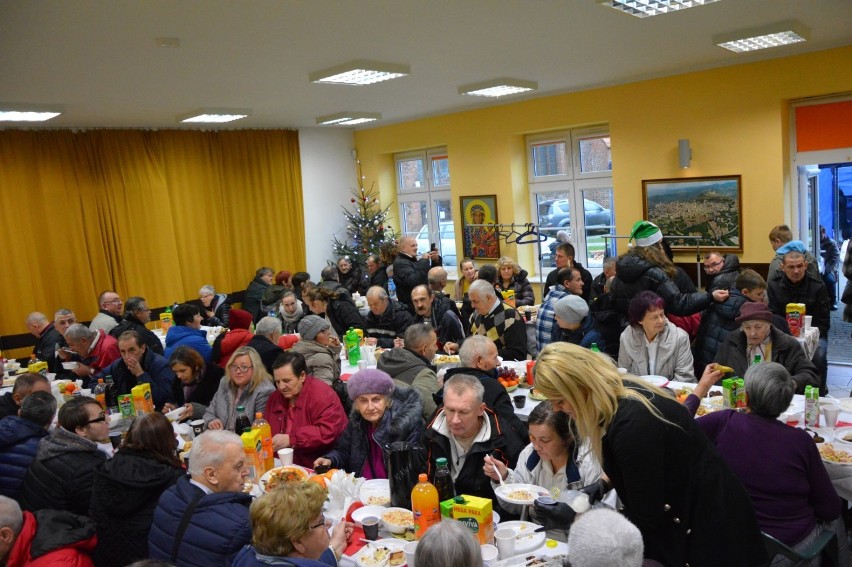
{"x": 567, "y": 170}
{"x": 423, "y": 186}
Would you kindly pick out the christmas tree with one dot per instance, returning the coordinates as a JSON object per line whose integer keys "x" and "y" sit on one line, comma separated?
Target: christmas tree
{"x": 367, "y": 227}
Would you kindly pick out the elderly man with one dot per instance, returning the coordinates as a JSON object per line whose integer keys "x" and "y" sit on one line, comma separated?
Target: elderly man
{"x": 437, "y": 283}
{"x": 136, "y": 314}
{"x": 330, "y": 279}
{"x": 478, "y": 357}
{"x": 387, "y": 319}
{"x": 794, "y": 283}
{"x": 96, "y": 349}
{"x": 546, "y": 330}
{"x": 25, "y": 384}
{"x": 377, "y": 275}
{"x": 265, "y": 340}
{"x": 203, "y": 519}
{"x": 607, "y": 272}
{"x": 721, "y": 270}
{"x": 186, "y": 331}
{"x": 109, "y": 315}
{"x": 565, "y": 259}
{"x": 430, "y": 308}
{"x": 411, "y": 365}
{"x": 254, "y": 292}
{"x": 19, "y": 439}
{"x": 465, "y": 431}
{"x": 47, "y": 339}
{"x": 757, "y": 336}
{"x": 140, "y": 365}
{"x": 48, "y": 537}
{"x": 215, "y": 306}
{"x": 62, "y": 474}
{"x": 497, "y": 321}
{"x": 410, "y": 271}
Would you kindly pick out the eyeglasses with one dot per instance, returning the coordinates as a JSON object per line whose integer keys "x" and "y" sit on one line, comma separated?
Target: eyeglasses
{"x": 321, "y": 524}
{"x": 116, "y": 301}
{"x": 239, "y": 369}
{"x": 100, "y": 418}
{"x": 714, "y": 265}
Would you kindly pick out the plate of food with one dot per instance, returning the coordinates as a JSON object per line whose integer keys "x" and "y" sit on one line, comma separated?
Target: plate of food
{"x": 536, "y": 395}
{"x": 381, "y": 553}
{"x": 276, "y": 477}
{"x": 375, "y": 492}
{"x": 519, "y": 493}
{"x": 832, "y": 455}
{"x": 444, "y": 359}
{"x": 176, "y": 414}
{"x": 653, "y": 379}
{"x": 397, "y": 520}
{"x": 527, "y": 538}
{"x": 843, "y": 437}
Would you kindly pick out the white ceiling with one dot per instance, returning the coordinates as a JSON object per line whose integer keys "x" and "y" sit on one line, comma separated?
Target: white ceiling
{"x": 99, "y": 59}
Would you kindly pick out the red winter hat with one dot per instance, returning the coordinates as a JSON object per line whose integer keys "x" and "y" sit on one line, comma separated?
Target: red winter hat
{"x": 754, "y": 311}
{"x": 239, "y": 319}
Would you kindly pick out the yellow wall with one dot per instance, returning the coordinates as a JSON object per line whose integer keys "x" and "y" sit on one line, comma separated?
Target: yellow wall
{"x": 736, "y": 119}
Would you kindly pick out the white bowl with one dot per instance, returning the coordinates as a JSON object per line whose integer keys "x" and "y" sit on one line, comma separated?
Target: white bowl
{"x": 396, "y": 528}
{"x": 367, "y": 511}
{"x": 375, "y": 492}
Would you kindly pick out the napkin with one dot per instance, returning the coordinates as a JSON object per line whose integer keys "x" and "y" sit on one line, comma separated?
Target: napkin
{"x": 342, "y": 492}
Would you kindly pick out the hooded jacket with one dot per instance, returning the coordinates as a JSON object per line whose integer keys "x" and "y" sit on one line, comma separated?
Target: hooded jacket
{"x": 635, "y": 274}
{"x": 522, "y": 287}
{"x": 674, "y": 357}
{"x": 157, "y": 372}
{"x": 323, "y": 361}
{"x": 411, "y": 370}
{"x": 227, "y": 343}
{"x": 221, "y": 312}
{"x": 62, "y": 474}
{"x": 798, "y": 246}
{"x": 124, "y": 494}
{"x": 131, "y": 323}
{"x": 391, "y": 324}
{"x": 181, "y": 335}
{"x": 19, "y": 440}
{"x": 253, "y": 297}
{"x": 811, "y": 291}
{"x": 53, "y": 538}
{"x": 402, "y": 421}
{"x": 727, "y": 276}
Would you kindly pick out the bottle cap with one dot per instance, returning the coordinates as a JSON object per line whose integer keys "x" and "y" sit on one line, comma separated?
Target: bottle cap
{"x": 241, "y": 408}
{"x": 441, "y": 462}
{"x": 459, "y": 499}
{"x": 258, "y": 415}
{"x": 422, "y": 477}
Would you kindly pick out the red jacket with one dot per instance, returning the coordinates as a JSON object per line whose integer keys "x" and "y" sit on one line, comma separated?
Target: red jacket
{"x": 314, "y": 421}
{"x": 104, "y": 353}
{"x": 233, "y": 339}
{"x": 63, "y": 539}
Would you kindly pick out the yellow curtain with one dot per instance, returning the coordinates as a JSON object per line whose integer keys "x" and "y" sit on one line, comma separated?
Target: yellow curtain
{"x": 150, "y": 213}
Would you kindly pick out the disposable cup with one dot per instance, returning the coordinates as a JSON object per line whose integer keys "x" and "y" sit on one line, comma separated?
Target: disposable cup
{"x": 505, "y": 540}
{"x": 808, "y": 321}
{"x": 489, "y": 554}
{"x": 370, "y": 524}
{"x": 286, "y": 456}
{"x": 829, "y": 415}
{"x": 410, "y": 549}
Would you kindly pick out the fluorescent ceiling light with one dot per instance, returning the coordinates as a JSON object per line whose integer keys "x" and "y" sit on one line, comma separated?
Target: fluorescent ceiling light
{"x": 775, "y": 35}
{"x": 498, "y": 87}
{"x": 360, "y": 73}
{"x": 10, "y": 112}
{"x": 215, "y": 115}
{"x": 348, "y": 118}
{"x": 645, "y": 8}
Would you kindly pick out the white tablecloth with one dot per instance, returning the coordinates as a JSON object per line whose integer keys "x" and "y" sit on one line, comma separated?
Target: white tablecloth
{"x": 809, "y": 340}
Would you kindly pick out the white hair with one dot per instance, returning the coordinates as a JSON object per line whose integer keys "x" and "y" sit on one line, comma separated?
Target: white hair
{"x": 482, "y": 288}
{"x": 11, "y": 515}
{"x": 473, "y": 347}
{"x": 208, "y": 450}
{"x": 448, "y": 544}
{"x": 205, "y": 289}
{"x": 267, "y": 326}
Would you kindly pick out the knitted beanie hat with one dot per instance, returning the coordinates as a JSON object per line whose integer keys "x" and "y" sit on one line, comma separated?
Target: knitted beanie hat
{"x": 369, "y": 381}
{"x": 602, "y": 538}
{"x": 754, "y": 311}
{"x": 571, "y": 309}
{"x": 312, "y": 325}
{"x": 645, "y": 233}
{"x": 239, "y": 319}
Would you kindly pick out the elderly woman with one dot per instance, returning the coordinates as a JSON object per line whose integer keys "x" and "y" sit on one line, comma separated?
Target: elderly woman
{"x": 126, "y": 489}
{"x": 216, "y": 309}
{"x": 381, "y": 414}
{"x": 303, "y": 412}
{"x": 674, "y": 486}
{"x": 789, "y": 487}
{"x": 510, "y": 277}
{"x": 340, "y": 312}
{"x": 349, "y": 274}
{"x": 553, "y": 459}
{"x": 288, "y": 528}
{"x": 653, "y": 345}
{"x": 320, "y": 349}
{"x": 196, "y": 384}
{"x": 246, "y": 384}
{"x": 757, "y": 336}
{"x": 448, "y": 544}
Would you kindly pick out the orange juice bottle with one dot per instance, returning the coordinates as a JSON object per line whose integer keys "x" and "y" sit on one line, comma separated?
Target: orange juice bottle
{"x": 266, "y": 440}
{"x": 424, "y": 504}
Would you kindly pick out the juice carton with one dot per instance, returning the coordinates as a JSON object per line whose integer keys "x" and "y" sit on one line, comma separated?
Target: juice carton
{"x": 741, "y": 402}
{"x": 729, "y": 392}
{"x": 253, "y": 447}
{"x": 508, "y": 297}
{"x": 447, "y": 508}
{"x": 143, "y": 402}
{"x": 37, "y": 367}
{"x": 125, "y": 405}
{"x": 166, "y": 321}
{"x": 796, "y": 318}
{"x": 477, "y": 514}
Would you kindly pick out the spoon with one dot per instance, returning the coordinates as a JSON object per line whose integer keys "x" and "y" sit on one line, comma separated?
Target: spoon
{"x": 499, "y": 476}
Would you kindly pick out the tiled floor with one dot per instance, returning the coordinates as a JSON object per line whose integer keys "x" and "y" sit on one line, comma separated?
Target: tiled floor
{"x": 839, "y": 380}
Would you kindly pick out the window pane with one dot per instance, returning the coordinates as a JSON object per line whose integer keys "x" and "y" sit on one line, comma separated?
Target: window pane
{"x": 410, "y": 175}
{"x": 447, "y": 240}
{"x": 549, "y": 159}
{"x": 415, "y": 220}
{"x": 595, "y": 154}
{"x": 440, "y": 171}
{"x": 599, "y": 221}
{"x": 553, "y": 216}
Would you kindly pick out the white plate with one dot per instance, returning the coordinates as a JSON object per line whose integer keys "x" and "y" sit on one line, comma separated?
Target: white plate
{"x": 527, "y": 540}
{"x": 69, "y": 365}
{"x": 365, "y": 511}
{"x": 838, "y": 437}
{"x": 176, "y": 414}
{"x": 503, "y": 491}
{"x": 268, "y": 474}
{"x": 660, "y": 381}
{"x": 846, "y": 404}
{"x": 367, "y": 550}
{"x": 377, "y": 487}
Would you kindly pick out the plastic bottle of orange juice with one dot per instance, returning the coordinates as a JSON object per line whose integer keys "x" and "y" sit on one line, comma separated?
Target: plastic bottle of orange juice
{"x": 424, "y": 504}
{"x": 266, "y": 440}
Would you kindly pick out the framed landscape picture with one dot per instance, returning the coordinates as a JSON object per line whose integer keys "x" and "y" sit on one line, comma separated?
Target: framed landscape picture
{"x": 707, "y": 207}
{"x": 480, "y": 241}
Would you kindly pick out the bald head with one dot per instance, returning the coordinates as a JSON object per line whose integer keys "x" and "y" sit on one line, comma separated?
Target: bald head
{"x": 36, "y": 323}
{"x": 437, "y": 278}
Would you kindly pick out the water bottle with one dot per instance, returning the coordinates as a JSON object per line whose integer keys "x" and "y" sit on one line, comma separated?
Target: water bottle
{"x": 757, "y": 360}
{"x": 100, "y": 393}
{"x": 353, "y": 346}
{"x": 391, "y": 288}
{"x": 594, "y": 348}
{"x": 243, "y": 422}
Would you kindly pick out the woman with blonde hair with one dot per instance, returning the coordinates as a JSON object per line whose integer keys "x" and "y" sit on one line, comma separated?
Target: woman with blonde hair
{"x": 510, "y": 277}
{"x": 674, "y": 486}
{"x": 467, "y": 275}
{"x": 288, "y": 527}
{"x": 246, "y": 384}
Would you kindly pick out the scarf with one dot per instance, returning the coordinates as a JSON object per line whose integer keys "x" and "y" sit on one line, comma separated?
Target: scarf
{"x": 294, "y": 318}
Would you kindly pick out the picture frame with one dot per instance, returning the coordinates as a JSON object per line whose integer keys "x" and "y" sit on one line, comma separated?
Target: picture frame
{"x": 707, "y": 207}
{"x": 482, "y": 242}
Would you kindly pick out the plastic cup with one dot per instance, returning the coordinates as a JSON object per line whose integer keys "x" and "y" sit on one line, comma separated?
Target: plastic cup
{"x": 505, "y": 540}
{"x": 371, "y": 527}
{"x": 362, "y": 364}
{"x": 409, "y": 550}
{"x": 286, "y": 456}
{"x": 808, "y": 321}
{"x": 520, "y": 401}
{"x": 829, "y": 414}
{"x": 489, "y": 554}
{"x": 197, "y": 426}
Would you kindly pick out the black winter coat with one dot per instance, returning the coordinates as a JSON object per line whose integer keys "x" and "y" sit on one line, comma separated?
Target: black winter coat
{"x": 522, "y": 287}
{"x": 389, "y": 325}
{"x": 353, "y": 279}
{"x": 409, "y": 273}
{"x": 45, "y": 348}
{"x": 267, "y": 350}
{"x": 402, "y": 422}
{"x": 19, "y": 440}
{"x": 448, "y": 327}
{"x": 811, "y": 291}
{"x": 379, "y": 278}
{"x": 125, "y": 492}
{"x": 221, "y": 312}
{"x": 62, "y": 474}
{"x": 7, "y": 405}
{"x": 253, "y": 296}
{"x": 343, "y": 314}
{"x": 727, "y": 276}
{"x": 635, "y": 274}
{"x": 131, "y": 323}
{"x": 203, "y": 394}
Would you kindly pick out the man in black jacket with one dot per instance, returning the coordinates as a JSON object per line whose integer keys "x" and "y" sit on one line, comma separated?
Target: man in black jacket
{"x": 409, "y": 271}
{"x": 387, "y": 319}
{"x": 433, "y": 310}
{"x": 136, "y": 314}
{"x": 47, "y": 339}
{"x": 265, "y": 340}
{"x": 565, "y": 259}
{"x": 377, "y": 273}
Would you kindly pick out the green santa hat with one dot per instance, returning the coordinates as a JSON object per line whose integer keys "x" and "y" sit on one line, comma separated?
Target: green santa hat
{"x": 645, "y": 233}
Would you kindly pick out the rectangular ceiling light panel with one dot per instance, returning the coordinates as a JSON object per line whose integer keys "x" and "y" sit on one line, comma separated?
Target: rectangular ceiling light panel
{"x": 498, "y": 88}
{"x": 214, "y": 115}
{"x": 775, "y": 35}
{"x": 360, "y": 73}
{"x": 646, "y": 8}
{"x": 15, "y": 112}
{"x": 348, "y": 118}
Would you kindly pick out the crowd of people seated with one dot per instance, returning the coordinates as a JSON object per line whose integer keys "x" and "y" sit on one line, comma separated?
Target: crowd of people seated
{"x": 683, "y": 491}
